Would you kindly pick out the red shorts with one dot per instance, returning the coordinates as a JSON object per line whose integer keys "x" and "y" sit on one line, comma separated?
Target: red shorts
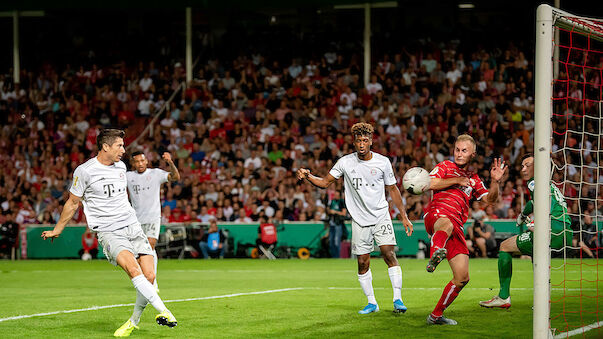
{"x": 456, "y": 243}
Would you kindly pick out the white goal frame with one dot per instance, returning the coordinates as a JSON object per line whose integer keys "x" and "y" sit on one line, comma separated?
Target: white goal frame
{"x": 547, "y": 18}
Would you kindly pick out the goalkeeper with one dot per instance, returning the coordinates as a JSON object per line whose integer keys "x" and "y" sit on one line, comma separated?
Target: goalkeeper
{"x": 523, "y": 243}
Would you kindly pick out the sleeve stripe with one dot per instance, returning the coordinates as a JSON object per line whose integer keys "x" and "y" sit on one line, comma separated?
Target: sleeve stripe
{"x": 481, "y": 196}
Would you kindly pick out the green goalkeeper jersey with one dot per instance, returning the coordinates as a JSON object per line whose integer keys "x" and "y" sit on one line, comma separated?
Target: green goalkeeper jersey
{"x": 558, "y": 204}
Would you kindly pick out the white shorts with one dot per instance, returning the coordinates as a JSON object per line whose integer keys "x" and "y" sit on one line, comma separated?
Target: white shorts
{"x": 152, "y": 229}
{"x": 129, "y": 238}
{"x": 363, "y": 238}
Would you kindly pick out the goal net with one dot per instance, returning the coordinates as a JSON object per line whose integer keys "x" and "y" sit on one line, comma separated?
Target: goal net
{"x": 569, "y": 100}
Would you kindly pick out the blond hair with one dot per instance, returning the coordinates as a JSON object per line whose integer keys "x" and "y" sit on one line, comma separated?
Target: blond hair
{"x": 467, "y": 137}
{"x": 362, "y": 129}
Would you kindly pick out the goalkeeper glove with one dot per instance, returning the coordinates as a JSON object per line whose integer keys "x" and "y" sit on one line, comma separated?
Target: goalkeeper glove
{"x": 522, "y": 219}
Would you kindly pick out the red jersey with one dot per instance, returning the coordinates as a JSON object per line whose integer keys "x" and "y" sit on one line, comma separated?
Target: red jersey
{"x": 453, "y": 201}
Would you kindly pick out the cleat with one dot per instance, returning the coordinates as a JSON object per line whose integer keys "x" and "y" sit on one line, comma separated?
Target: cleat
{"x": 166, "y": 318}
{"x": 125, "y": 330}
{"x": 436, "y": 259}
{"x": 370, "y": 308}
{"x": 431, "y": 320}
{"x": 399, "y": 306}
{"x": 497, "y": 302}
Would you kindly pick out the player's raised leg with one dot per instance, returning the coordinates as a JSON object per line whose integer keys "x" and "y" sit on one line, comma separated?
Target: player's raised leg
{"x": 442, "y": 229}
{"x": 460, "y": 272}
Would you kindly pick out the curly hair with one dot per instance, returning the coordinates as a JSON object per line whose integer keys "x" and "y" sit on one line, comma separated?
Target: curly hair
{"x": 362, "y": 129}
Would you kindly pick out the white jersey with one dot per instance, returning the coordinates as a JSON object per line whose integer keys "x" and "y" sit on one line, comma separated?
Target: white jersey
{"x": 104, "y": 195}
{"x": 364, "y": 183}
{"x": 144, "y": 193}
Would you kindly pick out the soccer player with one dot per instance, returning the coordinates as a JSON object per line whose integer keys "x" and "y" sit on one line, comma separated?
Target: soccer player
{"x": 454, "y": 185}
{"x": 100, "y": 184}
{"x": 144, "y": 185}
{"x": 366, "y": 177}
{"x": 524, "y": 243}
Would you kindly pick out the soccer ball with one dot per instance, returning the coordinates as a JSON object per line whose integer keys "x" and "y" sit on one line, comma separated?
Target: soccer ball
{"x": 416, "y": 180}
{"x": 86, "y": 256}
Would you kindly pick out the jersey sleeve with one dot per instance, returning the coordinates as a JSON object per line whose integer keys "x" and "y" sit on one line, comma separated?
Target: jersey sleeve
{"x": 529, "y": 207}
{"x": 337, "y": 170}
{"x": 388, "y": 174}
{"x": 162, "y": 175}
{"x": 439, "y": 171}
{"x": 479, "y": 188}
{"x": 79, "y": 183}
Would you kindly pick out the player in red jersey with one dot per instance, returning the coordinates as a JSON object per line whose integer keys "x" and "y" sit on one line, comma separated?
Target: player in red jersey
{"x": 454, "y": 185}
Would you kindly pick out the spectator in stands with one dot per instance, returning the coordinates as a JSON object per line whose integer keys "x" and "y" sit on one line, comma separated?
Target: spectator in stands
{"x": 482, "y": 235}
{"x": 89, "y": 245}
{"x": 213, "y": 242}
{"x": 337, "y": 214}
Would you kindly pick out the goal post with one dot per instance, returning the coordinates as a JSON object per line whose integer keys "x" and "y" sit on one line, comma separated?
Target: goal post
{"x": 542, "y": 168}
{"x": 568, "y": 136}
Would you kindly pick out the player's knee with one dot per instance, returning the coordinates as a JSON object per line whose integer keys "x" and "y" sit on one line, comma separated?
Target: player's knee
{"x": 150, "y": 276}
{"x": 461, "y": 282}
{"x": 443, "y": 224}
{"x": 505, "y": 246}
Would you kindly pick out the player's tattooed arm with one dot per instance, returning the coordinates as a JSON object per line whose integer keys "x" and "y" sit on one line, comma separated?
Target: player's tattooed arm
{"x": 174, "y": 174}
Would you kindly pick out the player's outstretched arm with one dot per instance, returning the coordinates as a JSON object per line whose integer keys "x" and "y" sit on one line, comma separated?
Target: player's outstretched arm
{"x": 394, "y": 192}
{"x": 68, "y": 211}
{"x": 174, "y": 174}
{"x": 437, "y": 184}
{"x": 304, "y": 173}
{"x": 497, "y": 171}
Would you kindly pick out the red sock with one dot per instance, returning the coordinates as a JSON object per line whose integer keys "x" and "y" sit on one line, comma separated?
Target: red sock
{"x": 450, "y": 293}
{"x": 438, "y": 240}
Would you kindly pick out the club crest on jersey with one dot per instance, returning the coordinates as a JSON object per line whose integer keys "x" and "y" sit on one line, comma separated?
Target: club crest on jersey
{"x": 373, "y": 171}
{"x": 121, "y": 175}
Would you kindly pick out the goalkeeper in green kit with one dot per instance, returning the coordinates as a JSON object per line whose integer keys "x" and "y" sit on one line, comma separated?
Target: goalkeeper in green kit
{"x": 523, "y": 243}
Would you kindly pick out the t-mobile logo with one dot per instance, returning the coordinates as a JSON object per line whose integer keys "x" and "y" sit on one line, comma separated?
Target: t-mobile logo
{"x": 136, "y": 188}
{"x": 356, "y": 183}
{"x": 108, "y": 190}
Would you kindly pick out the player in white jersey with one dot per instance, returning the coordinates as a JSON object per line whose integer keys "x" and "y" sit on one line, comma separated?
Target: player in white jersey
{"x": 366, "y": 175}
{"x": 144, "y": 186}
{"x": 100, "y": 184}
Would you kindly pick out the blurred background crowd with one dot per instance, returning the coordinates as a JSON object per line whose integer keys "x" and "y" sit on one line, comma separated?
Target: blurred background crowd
{"x": 248, "y": 120}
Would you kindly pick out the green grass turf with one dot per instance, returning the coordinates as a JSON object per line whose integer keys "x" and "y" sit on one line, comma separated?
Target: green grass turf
{"x": 325, "y": 306}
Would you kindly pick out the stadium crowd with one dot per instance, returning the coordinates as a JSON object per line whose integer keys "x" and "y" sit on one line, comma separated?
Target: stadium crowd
{"x": 242, "y": 127}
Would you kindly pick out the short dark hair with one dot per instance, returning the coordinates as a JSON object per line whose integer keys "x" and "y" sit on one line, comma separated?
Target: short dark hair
{"x": 137, "y": 153}
{"x": 108, "y": 136}
{"x": 527, "y": 155}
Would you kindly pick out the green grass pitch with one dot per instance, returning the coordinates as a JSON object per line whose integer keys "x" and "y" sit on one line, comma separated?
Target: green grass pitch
{"x": 321, "y": 299}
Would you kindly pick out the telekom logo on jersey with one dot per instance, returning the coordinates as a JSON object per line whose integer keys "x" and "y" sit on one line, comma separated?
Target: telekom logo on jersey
{"x": 108, "y": 189}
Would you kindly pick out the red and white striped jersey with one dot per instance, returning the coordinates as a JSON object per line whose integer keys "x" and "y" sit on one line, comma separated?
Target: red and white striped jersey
{"x": 453, "y": 201}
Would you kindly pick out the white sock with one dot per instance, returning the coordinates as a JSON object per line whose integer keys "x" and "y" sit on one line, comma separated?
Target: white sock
{"x": 141, "y": 303}
{"x": 144, "y": 287}
{"x": 395, "y": 275}
{"x": 366, "y": 282}
{"x": 155, "y": 261}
